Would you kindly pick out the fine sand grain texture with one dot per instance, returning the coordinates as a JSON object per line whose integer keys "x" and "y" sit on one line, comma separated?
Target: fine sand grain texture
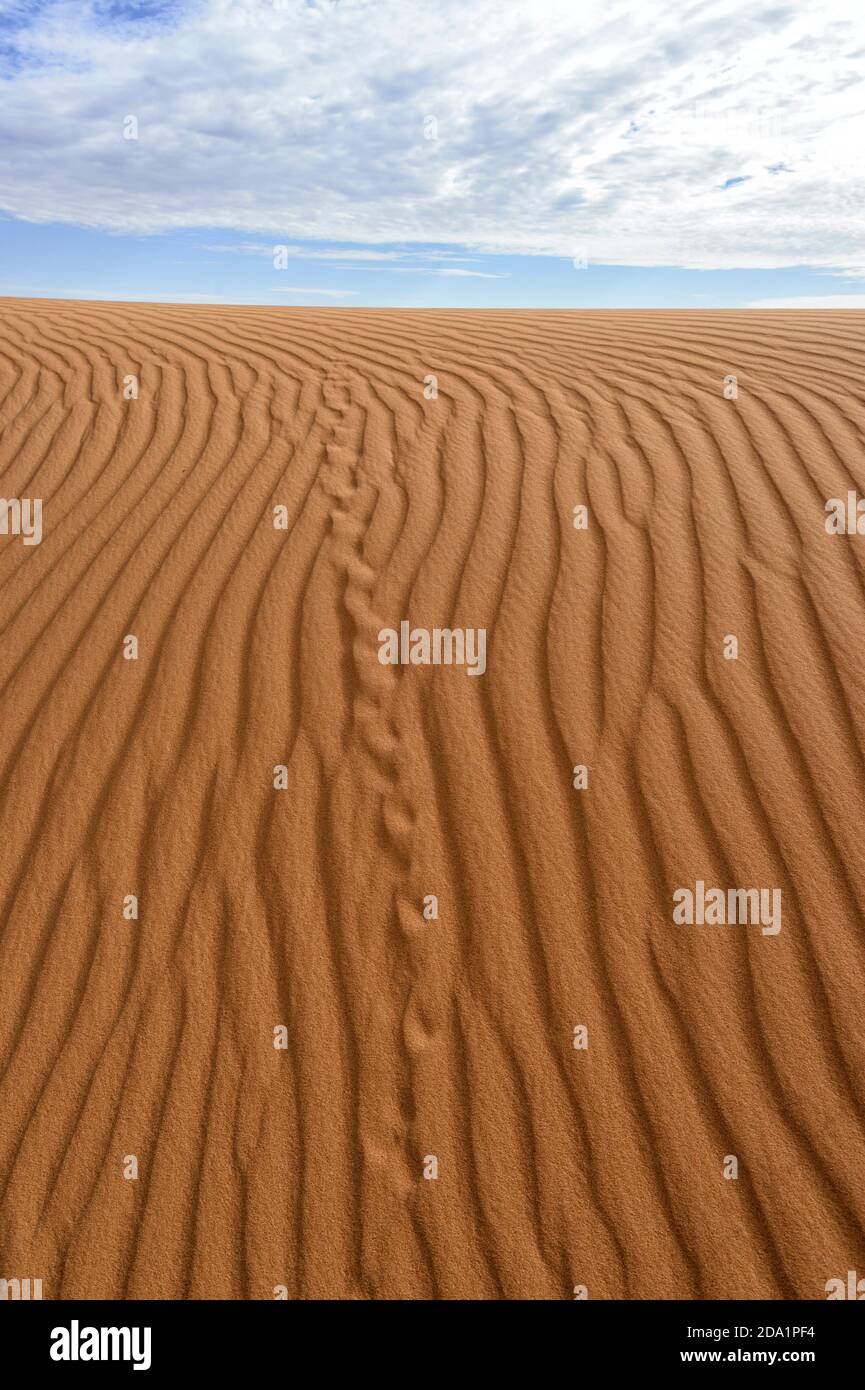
{"x": 263, "y": 906}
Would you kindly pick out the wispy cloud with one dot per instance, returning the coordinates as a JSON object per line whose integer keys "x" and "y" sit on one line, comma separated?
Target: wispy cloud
{"x": 812, "y": 301}
{"x": 628, "y": 134}
{"x": 301, "y": 253}
{"x": 310, "y": 253}
{"x": 307, "y": 289}
{"x": 167, "y": 296}
{"x": 119, "y": 294}
{"x": 426, "y": 270}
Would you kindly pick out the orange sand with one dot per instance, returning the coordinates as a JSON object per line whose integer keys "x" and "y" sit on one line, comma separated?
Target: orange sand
{"x": 302, "y": 907}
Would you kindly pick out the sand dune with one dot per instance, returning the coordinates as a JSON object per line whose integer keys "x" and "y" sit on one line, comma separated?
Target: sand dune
{"x": 301, "y": 906}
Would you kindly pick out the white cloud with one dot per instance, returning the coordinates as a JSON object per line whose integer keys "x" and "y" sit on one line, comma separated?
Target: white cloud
{"x": 364, "y": 255}
{"x": 163, "y": 296}
{"x": 305, "y": 289}
{"x": 303, "y": 253}
{"x": 119, "y": 295}
{"x": 702, "y": 133}
{"x": 813, "y": 301}
{"x": 424, "y": 270}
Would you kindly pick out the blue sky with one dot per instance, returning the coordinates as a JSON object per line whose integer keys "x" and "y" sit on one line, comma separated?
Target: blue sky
{"x": 482, "y": 153}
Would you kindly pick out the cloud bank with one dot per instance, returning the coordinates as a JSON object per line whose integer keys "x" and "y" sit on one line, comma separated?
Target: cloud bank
{"x": 703, "y": 135}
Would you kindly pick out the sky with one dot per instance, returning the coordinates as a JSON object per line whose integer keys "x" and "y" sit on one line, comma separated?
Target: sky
{"x": 464, "y": 153}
